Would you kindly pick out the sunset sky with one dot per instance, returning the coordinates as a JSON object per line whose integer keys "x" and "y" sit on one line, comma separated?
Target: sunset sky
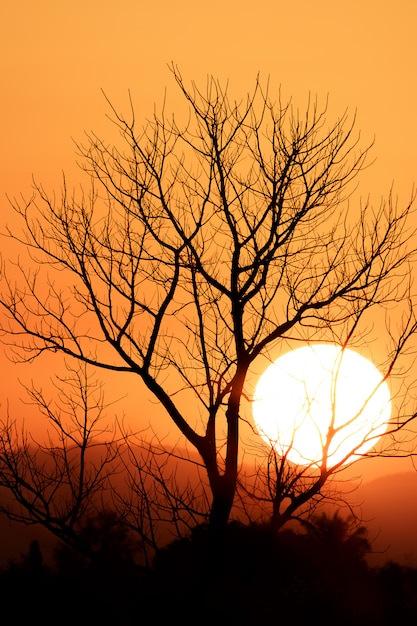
{"x": 58, "y": 56}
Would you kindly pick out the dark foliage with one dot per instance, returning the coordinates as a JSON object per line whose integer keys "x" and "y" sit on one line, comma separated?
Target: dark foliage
{"x": 252, "y": 576}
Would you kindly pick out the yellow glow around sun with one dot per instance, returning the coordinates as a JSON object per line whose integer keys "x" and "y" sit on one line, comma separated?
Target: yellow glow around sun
{"x": 313, "y": 389}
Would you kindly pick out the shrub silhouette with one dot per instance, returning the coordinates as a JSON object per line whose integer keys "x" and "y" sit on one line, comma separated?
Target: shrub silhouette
{"x": 106, "y": 543}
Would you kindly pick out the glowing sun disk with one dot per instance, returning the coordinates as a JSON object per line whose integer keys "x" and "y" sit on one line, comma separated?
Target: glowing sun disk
{"x": 318, "y": 396}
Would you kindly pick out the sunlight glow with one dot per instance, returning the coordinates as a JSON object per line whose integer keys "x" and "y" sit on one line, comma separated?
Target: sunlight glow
{"x": 318, "y": 396}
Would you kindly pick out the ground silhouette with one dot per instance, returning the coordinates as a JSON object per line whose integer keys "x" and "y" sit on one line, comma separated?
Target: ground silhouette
{"x": 253, "y": 575}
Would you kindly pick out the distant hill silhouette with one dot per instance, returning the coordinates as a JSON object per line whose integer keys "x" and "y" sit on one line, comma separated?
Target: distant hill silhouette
{"x": 389, "y": 511}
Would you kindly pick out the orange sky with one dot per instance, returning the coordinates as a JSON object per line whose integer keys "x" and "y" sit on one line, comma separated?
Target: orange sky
{"x": 57, "y": 56}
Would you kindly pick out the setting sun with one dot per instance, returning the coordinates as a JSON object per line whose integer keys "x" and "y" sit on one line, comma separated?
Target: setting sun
{"x": 319, "y": 396}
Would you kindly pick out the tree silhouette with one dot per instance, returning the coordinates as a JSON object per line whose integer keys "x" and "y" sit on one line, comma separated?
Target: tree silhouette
{"x": 88, "y": 481}
{"x": 203, "y": 245}
{"x": 343, "y": 535}
{"x": 59, "y": 482}
{"x": 162, "y": 497}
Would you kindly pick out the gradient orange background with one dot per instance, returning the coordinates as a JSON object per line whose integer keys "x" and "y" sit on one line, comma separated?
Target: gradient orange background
{"x": 57, "y": 56}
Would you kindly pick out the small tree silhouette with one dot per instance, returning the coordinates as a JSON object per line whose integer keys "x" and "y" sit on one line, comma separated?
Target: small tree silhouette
{"x": 34, "y": 559}
{"x": 60, "y": 482}
{"x": 343, "y": 535}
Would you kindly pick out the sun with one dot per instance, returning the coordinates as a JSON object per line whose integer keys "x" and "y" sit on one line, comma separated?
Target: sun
{"x": 318, "y": 396}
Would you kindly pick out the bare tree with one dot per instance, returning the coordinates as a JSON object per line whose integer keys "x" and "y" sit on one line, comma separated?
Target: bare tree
{"x": 62, "y": 481}
{"x": 162, "y": 498}
{"x": 89, "y": 474}
{"x": 202, "y": 245}
{"x": 275, "y": 491}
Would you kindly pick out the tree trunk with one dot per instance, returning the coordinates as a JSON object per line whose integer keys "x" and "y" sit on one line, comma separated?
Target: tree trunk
{"x": 223, "y": 496}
